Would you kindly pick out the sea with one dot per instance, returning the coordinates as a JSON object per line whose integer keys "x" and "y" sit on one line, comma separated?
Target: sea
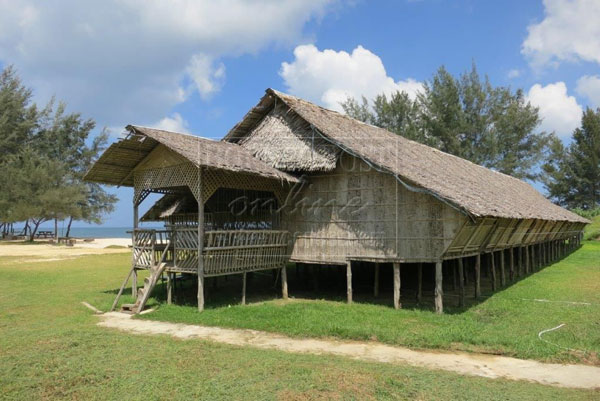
{"x": 92, "y": 232}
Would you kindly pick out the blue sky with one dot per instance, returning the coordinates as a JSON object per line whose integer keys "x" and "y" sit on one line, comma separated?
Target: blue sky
{"x": 198, "y": 66}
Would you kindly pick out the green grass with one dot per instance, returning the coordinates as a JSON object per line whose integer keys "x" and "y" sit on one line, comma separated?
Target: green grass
{"x": 507, "y": 322}
{"x": 51, "y": 348}
{"x": 592, "y": 231}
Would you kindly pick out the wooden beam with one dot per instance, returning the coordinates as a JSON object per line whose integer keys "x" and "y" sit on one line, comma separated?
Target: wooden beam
{"x": 376, "y": 281}
{"x": 461, "y": 283}
{"x": 284, "y": 283}
{"x": 244, "y": 278}
{"x": 169, "y": 288}
{"x": 502, "y": 271}
{"x": 397, "y": 304}
{"x": 477, "y": 276}
{"x": 439, "y": 304}
{"x": 493, "y": 269}
{"x": 200, "y": 242}
{"x": 349, "y": 281}
{"x": 419, "y": 282}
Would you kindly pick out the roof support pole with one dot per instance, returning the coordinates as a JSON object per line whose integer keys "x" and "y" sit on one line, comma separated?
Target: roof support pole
{"x": 520, "y": 259}
{"x": 527, "y": 259}
{"x": 502, "y": 272}
{"x": 493, "y": 269}
{"x": 512, "y": 263}
{"x": 478, "y": 276}
{"x": 284, "y": 283}
{"x": 419, "y": 282}
{"x": 134, "y": 272}
{"x": 397, "y": 304}
{"x": 201, "y": 242}
{"x": 169, "y": 288}
{"x": 349, "y": 281}
{"x": 376, "y": 281}
{"x": 244, "y": 276}
{"x": 439, "y": 293}
{"x": 461, "y": 283}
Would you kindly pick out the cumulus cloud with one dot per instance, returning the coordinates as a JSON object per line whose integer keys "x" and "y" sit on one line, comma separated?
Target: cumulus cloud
{"x": 569, "y": 31}
{"x": 589, "y": 86}
{"x": 174, "y": 123}
{"x": 125, "y": 61}
{"x": 329, "y": 77}
{"x": 559, "y": 112}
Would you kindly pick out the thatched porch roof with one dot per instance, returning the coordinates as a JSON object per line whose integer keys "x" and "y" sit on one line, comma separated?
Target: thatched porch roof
{"x": 116, "y": 164}
{"x": 471, "y": 188}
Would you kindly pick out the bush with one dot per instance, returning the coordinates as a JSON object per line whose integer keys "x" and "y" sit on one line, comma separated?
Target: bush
{"x": 587, "y": 213}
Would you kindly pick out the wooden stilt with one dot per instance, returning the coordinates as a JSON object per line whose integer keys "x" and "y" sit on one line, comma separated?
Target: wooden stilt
{"x": 502, "y": 272}
{"x": 419, "y": 282}
{"x": 284, "y": 283}
{"x": 512, "y": 264}
{"x": 200, "y": 272}
{"x": 376, "y": 281}
{"x": 493, "y": 269}
{"x": 397, "y": 304}
{"x": 478, "y": 276}
{"x": 169, "y": 288}
{"x": 349, "y": 281}
{"x": 461, "y": 283}
{"x": 134, "y": 273}
{"x": 454, "y": 275}
{"x": 520, "y": 260}
{"x": 526, "y": 260}
{"x": 134, "y": 284}
{"x": 439, "y": 304}
{"x": 244, "y": 288}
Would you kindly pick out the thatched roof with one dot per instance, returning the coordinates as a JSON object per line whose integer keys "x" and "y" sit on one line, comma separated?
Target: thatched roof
{"x": 471, "y": 188}
{"x": 116, "y": 164}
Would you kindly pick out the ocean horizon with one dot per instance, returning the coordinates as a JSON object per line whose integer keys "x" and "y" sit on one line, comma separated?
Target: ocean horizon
{"x": 91, "y": 232}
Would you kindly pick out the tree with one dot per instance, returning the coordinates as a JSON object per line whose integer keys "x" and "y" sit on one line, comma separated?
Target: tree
{"x": 573, "y": 173}
{"x": 467, "y": 117}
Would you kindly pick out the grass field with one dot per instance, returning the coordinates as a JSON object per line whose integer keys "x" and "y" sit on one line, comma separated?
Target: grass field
{"x": 507, "y": 322}
{"x": 50, "y": 348}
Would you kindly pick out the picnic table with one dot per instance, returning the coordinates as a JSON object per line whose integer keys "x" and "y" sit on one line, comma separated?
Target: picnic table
{"x": 45, "y": 234}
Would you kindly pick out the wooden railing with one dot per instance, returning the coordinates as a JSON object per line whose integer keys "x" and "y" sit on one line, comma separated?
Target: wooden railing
{"x": 225, "y": 252}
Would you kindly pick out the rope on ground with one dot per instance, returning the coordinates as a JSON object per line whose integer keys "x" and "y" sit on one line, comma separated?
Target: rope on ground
{"x": 556, "y": 345}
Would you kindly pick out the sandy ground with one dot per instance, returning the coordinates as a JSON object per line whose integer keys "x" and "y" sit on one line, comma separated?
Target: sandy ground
{"x": 46, "y": 252}
{"x": 574, "y": 376}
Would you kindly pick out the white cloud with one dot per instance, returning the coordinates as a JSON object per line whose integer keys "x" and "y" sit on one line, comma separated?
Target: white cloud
{"x": 175, "y": 123}
{"x": 329, "y": 77}
{"x": 514, "y": 73}
{"x": 589, "y": 86}
{"x": 570, "y": 31}
{"x": 122, "y": 61}
{"x": 559, "y": 111}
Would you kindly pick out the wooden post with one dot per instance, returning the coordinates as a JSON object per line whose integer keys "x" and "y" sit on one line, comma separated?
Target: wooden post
{"x": 461, "y": 283}
{"x": 502, "y": 272}
{"x": 512, "y": 264}
{"x": 493, "y": 268}
{"x": 520, "y": 260}
{"x": 454, "y": 275}
{"x": 526, "y": 259}
{"x": 284, "y": 283}
{"x": 439, "y": 304}
{"x": 56, "y": 230}
{"x": 419, "y": 282}
{"x": 201, "y": 243}
{"x": 349, "y": 281}
{"x": 134, "y": 273}
{"x": 532, "y": 258}
{"x": 169, "y": 288}
{"x": 244, "y": 278}
{"x": 376, "y": 281}
{"x": 397, "y": 304}
{"x": 478, "y": 276}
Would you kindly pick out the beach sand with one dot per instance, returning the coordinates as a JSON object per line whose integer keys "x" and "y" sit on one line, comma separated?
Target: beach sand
{"x": 45, "y": 252}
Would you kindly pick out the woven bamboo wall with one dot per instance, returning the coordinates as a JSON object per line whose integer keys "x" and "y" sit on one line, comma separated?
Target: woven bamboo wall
{"x": 359, "y": 213}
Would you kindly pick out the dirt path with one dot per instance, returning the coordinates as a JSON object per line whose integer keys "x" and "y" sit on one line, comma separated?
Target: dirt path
{"x": 575, "y": 376}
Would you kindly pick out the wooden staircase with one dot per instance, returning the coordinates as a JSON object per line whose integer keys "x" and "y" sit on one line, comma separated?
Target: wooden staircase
{"x": 144, "y": 293}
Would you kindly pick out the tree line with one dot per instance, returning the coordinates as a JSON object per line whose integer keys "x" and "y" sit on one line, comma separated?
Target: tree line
{"x": 44, "y": 154}
{"x": 495, "y": 127}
